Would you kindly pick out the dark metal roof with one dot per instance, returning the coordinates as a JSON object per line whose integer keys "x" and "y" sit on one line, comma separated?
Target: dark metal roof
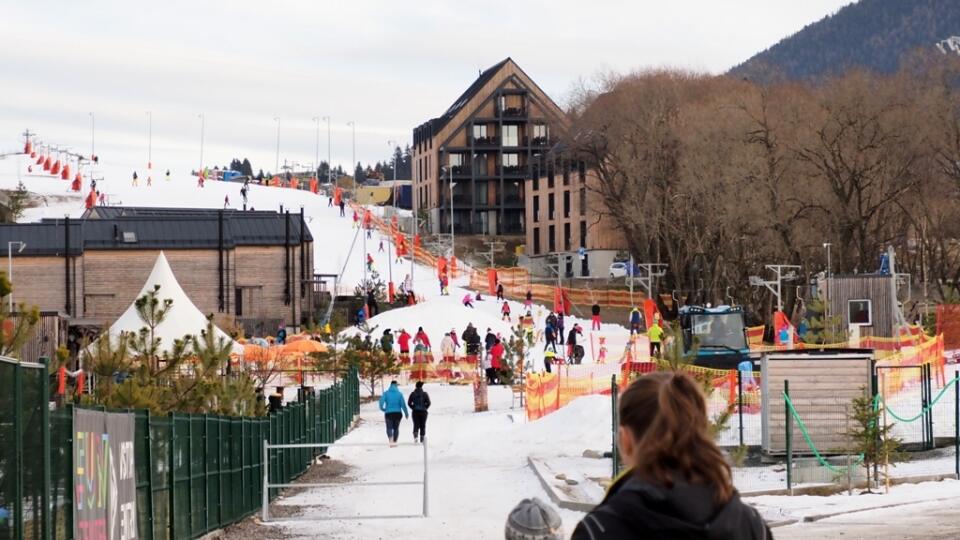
{"x": 170, "y": 231}
{"x": 437, "y": 124}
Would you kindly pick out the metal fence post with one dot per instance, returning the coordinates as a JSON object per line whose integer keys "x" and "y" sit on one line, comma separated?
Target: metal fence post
{"x": 426, "y": 497}
{"x": 265, "y": 499}
{"x": 740, "y": 403}
{"x": 789, "y": 434}
{"x": 45, "y": 403}
{"x": 172, "y": 511}
{"x": 17, "y": 452}
{"x": 933, "y": 439}
{"x": 614, "y": 448}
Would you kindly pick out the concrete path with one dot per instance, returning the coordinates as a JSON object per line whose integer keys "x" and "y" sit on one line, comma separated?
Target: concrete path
{"x": 925, "y": 521}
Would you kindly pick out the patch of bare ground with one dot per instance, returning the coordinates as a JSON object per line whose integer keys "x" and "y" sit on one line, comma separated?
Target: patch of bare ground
{"x": 327, "y": 471}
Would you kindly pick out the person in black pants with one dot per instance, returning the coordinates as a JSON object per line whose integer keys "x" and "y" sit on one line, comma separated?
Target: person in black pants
{"x": 419, "y": 402}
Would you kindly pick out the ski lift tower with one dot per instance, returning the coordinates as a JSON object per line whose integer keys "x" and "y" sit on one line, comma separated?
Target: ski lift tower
{"x": 644, "y": 274}
{"x": 494, "y": 246}
{"x": 782, "y": 272}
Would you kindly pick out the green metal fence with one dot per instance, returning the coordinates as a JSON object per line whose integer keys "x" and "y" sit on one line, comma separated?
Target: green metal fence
{"x": 195, "y": 472}
{"x": 24, "y": 469}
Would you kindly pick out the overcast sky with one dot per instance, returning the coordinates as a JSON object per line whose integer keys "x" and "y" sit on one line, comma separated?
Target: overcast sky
{"x": 387, "y": 65}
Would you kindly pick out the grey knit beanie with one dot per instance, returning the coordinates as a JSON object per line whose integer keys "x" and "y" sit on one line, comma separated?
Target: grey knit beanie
{"x": 533, "y": 519}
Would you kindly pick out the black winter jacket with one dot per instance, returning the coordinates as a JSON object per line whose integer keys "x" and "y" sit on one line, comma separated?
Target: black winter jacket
{"x": 418, "y": 400}
{"x": 633, "y": 508}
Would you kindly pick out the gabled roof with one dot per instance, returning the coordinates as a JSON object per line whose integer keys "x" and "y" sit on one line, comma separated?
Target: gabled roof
{"x": 471, "y": 91}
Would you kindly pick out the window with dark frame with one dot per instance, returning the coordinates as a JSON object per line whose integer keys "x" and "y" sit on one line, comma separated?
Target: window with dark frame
{"x": 566, "y": 204}
{"x": 536, "y": 240}
{"x": 552, "y": 239}
{"x": 860, "y": 312}
{"x": 536, "y": 208}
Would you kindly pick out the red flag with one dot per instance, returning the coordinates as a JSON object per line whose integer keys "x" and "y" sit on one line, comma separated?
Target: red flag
{"x": 441, "y": 266}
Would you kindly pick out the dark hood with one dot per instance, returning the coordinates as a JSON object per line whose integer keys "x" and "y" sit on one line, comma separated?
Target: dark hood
{"x": 684, "y": 511}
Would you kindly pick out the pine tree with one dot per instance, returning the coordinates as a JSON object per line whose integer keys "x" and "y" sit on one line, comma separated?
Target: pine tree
{"x": 152, "y": 310}
{"x": 18, "y": 201}
{"x": 870, "y": 437}
{"x": 823, "y": 329}
{"x": 16, "y": 328}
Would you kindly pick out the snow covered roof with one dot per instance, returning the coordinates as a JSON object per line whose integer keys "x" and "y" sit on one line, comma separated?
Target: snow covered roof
{"x": 183, "y": 318}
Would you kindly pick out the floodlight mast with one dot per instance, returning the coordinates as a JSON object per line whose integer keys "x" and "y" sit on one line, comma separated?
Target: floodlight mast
{"x": 775, "y": 285}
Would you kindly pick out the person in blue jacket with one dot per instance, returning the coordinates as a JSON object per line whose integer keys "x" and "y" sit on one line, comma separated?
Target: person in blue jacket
{"x": 393, "y": 406}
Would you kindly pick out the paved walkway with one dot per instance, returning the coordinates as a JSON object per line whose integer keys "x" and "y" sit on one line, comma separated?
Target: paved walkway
{"x": 925, "y": 521}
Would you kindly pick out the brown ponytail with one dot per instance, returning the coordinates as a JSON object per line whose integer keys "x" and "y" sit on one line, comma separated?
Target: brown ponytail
{"x": 667, "y": 413}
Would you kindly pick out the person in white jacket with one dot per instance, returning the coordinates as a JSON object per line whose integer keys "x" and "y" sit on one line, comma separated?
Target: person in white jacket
{"x": 447, "y": 348}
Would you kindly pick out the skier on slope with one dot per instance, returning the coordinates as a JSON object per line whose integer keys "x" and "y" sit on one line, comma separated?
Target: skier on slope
{"x": 403, "y": 341}
{"x": 574, "y": 351}
{"x": 392, "y": 404}
{"x": 636, "y": 321}
{"x": 505, "y": 312}
{"x": 595, "y": 316}
{"x": 447, "y": 349}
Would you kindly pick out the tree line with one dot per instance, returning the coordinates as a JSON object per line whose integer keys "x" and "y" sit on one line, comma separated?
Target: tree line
{"x": 717, "y": 176}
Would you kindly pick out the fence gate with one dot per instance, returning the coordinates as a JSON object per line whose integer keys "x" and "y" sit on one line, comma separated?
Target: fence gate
{"x": 906, "y": 389}
{"x": 267, "y": 485}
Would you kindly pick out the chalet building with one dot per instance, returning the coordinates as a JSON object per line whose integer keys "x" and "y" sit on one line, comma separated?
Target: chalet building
{"x": 564, "y": 213}
{"x": 490, "y": 137}
{"x": 254, "y": 269}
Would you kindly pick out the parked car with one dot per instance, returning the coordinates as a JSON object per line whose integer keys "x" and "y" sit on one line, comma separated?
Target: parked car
{"x": 619, "y": 269}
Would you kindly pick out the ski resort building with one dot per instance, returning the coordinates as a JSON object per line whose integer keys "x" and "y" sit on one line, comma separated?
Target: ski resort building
{"x": 490, "y": 137}
{"x": 252, "y": 269}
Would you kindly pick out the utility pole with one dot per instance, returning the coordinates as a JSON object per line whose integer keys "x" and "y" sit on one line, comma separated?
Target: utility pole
{"x": 353, "y": 155}
{"x": 775, "y": 285}
{"x": 329, "y": 157}
{"x": 276, "y": 166}
{"x": 202, "y": 121}
{"x": 316, "y": 150}
{"x": 92, "y": 136}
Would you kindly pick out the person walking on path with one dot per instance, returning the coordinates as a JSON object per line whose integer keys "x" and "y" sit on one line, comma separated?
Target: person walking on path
{"x": 595, "y": 319}
{"x": 655, "y": 333}
{"x": 394, "y": 409}
{"x": 419, "y": 402}
{"x": 677, "y": 482}
{"x": 636, "y": 320}
{"x": 489, "y": 339}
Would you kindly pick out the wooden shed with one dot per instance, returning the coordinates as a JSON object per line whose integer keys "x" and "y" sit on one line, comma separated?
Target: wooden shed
{"x": 865, "y": 301}
{"x": 823, "y": 384}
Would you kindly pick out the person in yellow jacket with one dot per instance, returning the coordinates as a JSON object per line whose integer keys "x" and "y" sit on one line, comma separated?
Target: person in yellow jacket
{"x": 655, "y": 334}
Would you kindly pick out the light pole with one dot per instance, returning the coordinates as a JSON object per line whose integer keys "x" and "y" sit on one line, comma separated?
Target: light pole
{"x": 829, "y": 269}
{"x": 329, "y": 157}
{"x": 276, "y": 166}
{"x": 316, "y": 151}
{"x": 20, "y": 245}
{"x": 826, "y": 305}
{"x": 202, "y": 125}
{"x": 149, "y": 140}
{"x": 353, "y": 155}
{"x": 391, "y": 143}
{"x": 92, "y": 136}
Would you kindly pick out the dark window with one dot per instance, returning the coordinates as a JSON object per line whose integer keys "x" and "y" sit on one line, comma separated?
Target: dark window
{"x": 566, "y": 237}
{"x": 585, "y": 265}
{"x": 536, "y": 208}
{"x": 552, "y": 238}
{"x": 566, "y": 176}
{"x": 550, "y": 207}
{"x": 583, "y": 234}
{"x": 583, "y": 201}
{"x": 859, "y": 312}
{"x": 480, "y": 193}
{"x": 566, "y": 204}
{"x": 238, "y": 302}
{"x": 536, "y": 240}
{"x": 536, "y": 180}
{"x": 549, "y": 177}
{"x": 582, "y": 169}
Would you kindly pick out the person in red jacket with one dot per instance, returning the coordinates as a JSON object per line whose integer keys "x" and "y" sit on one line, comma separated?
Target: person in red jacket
{"x": 403, "y": 341}
{"x": 496, "y": 362}
{"x": 421, "y": 340}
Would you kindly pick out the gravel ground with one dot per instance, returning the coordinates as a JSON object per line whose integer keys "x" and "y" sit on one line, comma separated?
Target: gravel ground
{"x": 329, "y": 471}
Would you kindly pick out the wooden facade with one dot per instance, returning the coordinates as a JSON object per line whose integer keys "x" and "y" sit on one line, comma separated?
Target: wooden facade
{"x": 823, "y": 385}
{"x": 490, "y": 137}
{"x": 840, "y": 290}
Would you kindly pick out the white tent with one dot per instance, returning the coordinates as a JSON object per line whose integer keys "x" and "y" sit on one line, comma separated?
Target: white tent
{"x": 182, "y": 319}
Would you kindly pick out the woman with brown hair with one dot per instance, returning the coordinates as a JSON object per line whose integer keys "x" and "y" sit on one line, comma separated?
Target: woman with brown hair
{"x": 677, "y": 482}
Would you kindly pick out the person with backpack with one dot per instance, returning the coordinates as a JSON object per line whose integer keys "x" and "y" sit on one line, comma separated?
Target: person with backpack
{"x": 392, "y": 404}
{"x": 636, "y": 320}
{"x": 419, "y": 402}
{"x": 386, "y": 342}
{"x": 677, "y": 482}
{"x": 572, "y": 343}
{"x": 421, "y": 343}
{"x": 489, "y": 340}
{"x": 595, "y": 318}
{"x": 550, "y": 337}
{"x": 496, "y": 362}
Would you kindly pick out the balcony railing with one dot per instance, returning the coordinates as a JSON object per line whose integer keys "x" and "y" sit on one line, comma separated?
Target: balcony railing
{"x": 512, "y": 112}
{"x": 485, "y": 141}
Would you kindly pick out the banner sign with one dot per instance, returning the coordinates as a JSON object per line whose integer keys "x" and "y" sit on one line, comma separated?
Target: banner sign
{"x": 104, "y": 476}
